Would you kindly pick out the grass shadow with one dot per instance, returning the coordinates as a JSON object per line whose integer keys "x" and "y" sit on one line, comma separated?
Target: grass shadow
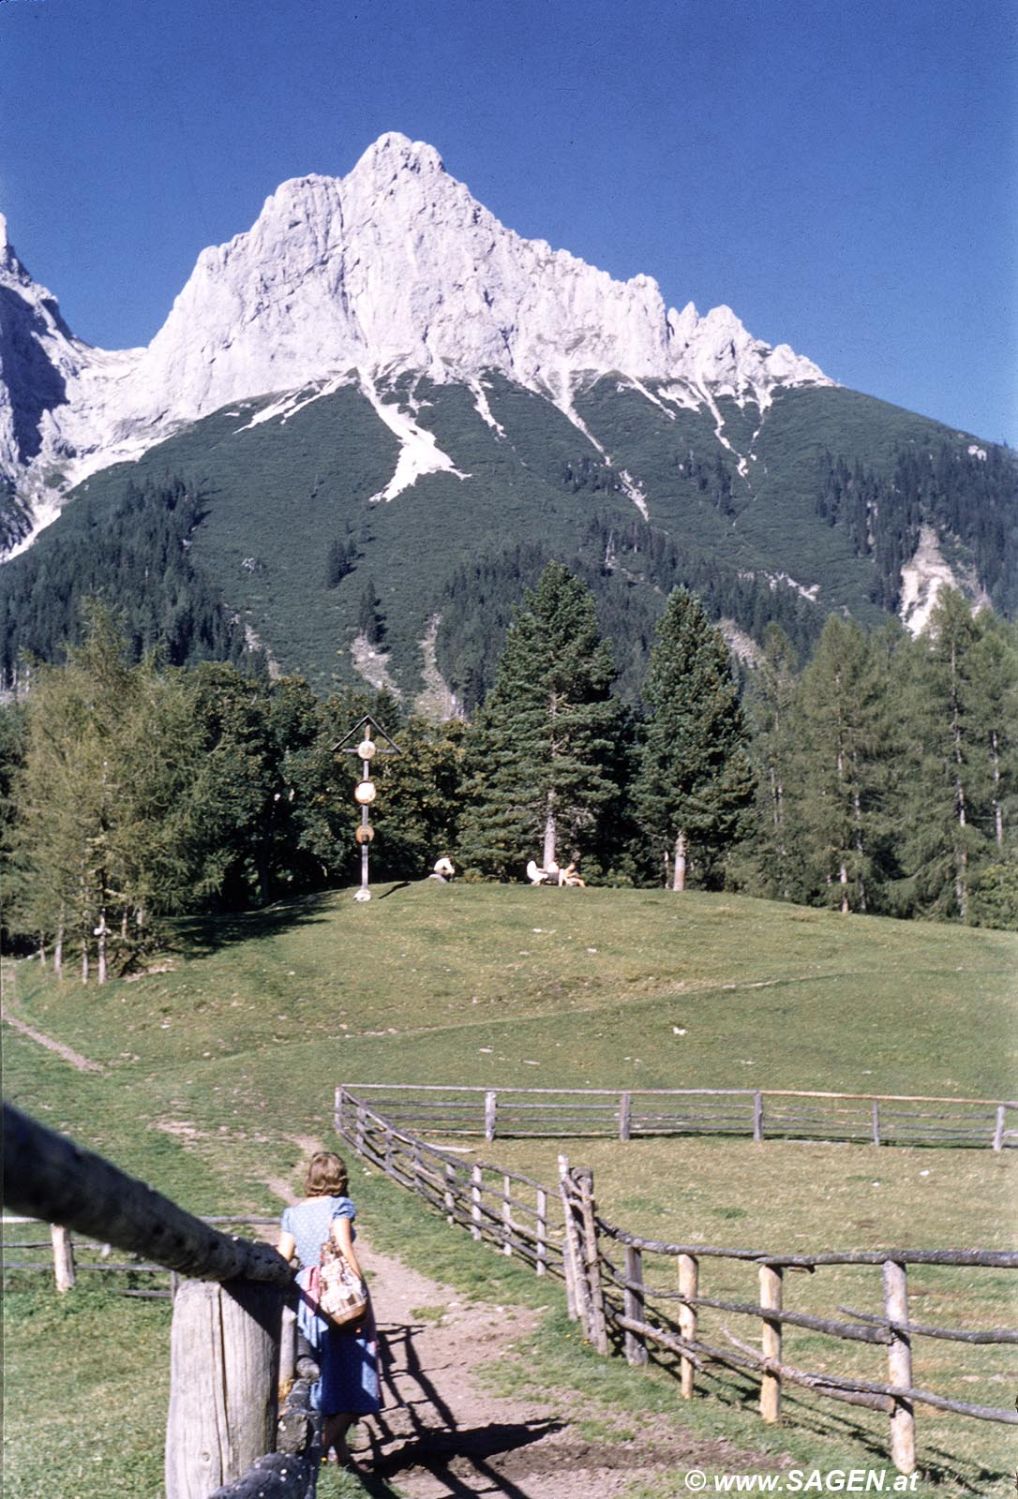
{"x": 201, "y": 936}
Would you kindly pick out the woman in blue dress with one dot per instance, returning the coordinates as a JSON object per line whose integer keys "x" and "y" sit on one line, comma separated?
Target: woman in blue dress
{"x": 347, "y": 1360}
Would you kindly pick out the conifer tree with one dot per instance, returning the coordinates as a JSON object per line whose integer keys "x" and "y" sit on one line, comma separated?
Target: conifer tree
{"x": 846, "y": 750}
{"x": 965, "y": 770}
{"x": 537, "y": 752}
{"x": 696, "y": 782}
{"x": 771, "y": 698}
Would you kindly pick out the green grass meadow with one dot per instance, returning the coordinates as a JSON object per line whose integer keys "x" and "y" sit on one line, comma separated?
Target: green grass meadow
{"x": 219, "y": 1071}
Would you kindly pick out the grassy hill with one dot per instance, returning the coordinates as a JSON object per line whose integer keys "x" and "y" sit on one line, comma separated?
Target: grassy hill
{"x": 219, "y": 1069}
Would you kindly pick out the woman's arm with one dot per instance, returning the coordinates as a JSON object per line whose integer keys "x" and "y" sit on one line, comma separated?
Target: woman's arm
{"x": 287, "y": 1245}
{"x": 342, "y": 1234}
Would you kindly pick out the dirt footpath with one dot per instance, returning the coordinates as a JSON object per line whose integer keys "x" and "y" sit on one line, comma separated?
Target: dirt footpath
{"x": 441, "y": 1433}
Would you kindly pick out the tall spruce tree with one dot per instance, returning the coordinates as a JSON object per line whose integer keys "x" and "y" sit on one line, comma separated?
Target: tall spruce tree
{"x": 771, "y": 693}
{"x": 538, "y": 749}
{"x": 965, "y": 765}
{"x": 846, "y": 755}
{"x": 696, "y": 782}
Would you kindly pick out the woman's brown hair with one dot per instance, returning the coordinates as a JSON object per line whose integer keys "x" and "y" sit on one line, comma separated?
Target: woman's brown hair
{"x": 326, "y": 1176}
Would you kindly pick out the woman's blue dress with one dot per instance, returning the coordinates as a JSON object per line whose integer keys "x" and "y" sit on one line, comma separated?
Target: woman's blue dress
{"x": 348, "y": 1360}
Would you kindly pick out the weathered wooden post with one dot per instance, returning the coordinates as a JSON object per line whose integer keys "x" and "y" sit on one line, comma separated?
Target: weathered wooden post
{"x": 875, "y": 1121}
{"x": 358, "y": 1139}
{"x": 507, "y": 1216}
{"x": 63, "y": 1257}
{"x": 476, "y": 1190}
{"x": 899, "y": 1365}
{"x": 450, "y": 1192}
{"x": 625, "y": 1115}
{"x": 998, "y": 1132}
{"x": 770, "y": 1341}
{"x": 689, "y": 1286}
{"x": 542, "y": 1232}
{"x": 490, "y": 1112}
{"x": 758, "y": 1117}
{"x": 338, "y": 1120}
{"x": 288, "y": 1348}
{"x": 576, "y": 1301}
{"x": 224, "y": 1377}
{"x": 597, "y": 1330}
{"x": 633, "y": 1305}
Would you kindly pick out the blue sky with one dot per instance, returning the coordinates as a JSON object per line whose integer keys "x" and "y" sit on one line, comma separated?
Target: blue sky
{"x": 840, "y": 172}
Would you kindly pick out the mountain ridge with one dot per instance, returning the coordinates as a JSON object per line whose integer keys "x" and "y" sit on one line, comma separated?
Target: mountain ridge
{"x": 374, "y": 413}
{"x": 393, "y": 268}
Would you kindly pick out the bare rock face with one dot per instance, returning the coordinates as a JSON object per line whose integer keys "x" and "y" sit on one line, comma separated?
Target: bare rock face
{"x": 394, "y": 268}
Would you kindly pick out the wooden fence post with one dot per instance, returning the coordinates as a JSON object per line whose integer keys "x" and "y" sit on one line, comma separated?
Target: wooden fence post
{"x": 758, "y": 1117}
{"x": 542, "y": 1232}
{"x": 338, "y": 1120}
{"x": 224, "y": 1370}
{"x": 633, "y": 1305}
{"x": 998, "y": 1132}
{"x": 490, "y": 1112}
{"x": 450, "y": 1192}
{"x": 875, "y": 1121}
{"x": 770, "y": 1341}
{"x": 288, "y": 1347}
{"x": 899, "y": 1366}
{"x": 476, "y": 1191}
{"x": 576, "y": 1301}
{"x": 625, "y": 1115}
{"x": 63, "y": 1257}
{"x": 689, "y": 1284}
{"x": 358, "y": 1139}
{"x": 597, "y": 1330}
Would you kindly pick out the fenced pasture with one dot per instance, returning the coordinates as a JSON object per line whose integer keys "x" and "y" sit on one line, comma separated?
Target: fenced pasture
{"x": 858, "y": 1302}
{"x": 755, "y": 1113}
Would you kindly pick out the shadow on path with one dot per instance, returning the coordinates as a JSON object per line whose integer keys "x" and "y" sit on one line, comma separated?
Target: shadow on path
{"x": 418, "y": 1429}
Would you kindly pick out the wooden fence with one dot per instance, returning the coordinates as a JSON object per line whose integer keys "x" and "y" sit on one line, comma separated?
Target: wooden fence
{"x": 755, "y": 1113}
{"x": 31, "y": 1245}
{"x": 228, "y": 1351}
{"x": 513, "y": 1213}
{"x": 608, "y": 1290}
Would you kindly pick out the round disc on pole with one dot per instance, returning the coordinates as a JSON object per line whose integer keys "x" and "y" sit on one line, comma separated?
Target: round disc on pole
{"x": 365, "y": 833}
{"x": 365, "y": 793}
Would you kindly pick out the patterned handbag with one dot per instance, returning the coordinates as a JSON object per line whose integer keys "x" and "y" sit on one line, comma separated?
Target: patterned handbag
{"x": 342, "y": 1295}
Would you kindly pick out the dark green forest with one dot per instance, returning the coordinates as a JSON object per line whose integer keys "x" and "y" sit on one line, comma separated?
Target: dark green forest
{"x": 880, "y": 777}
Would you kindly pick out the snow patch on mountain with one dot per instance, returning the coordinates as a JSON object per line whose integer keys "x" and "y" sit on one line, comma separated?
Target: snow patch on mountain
{"x": 394, "y": 268}
{"x": 419, "y": 452}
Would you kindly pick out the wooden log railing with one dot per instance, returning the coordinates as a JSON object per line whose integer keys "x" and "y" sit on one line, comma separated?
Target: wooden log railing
{"x": 608, "y": 1291}
{"x": 513, "y": 1213}
{"x": 755, "y": 1113}
{"x": 227, "y": 1315}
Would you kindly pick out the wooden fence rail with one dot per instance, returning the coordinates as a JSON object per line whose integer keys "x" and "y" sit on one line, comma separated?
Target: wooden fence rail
{"x": 226, "y": 1337}
{"x": 756, "y": 1113}
{"x": 513, "y": 1213}
{"x": 609, "y": 1292}
{"x": 70, "y": 1255}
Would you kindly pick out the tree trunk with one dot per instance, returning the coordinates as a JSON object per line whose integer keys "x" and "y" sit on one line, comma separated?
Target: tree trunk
{"x": 58, "y": 951}
{"x": 679, "y": 870}
{"x": 998, "y": 810}
{"x": 548, "y": 859}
